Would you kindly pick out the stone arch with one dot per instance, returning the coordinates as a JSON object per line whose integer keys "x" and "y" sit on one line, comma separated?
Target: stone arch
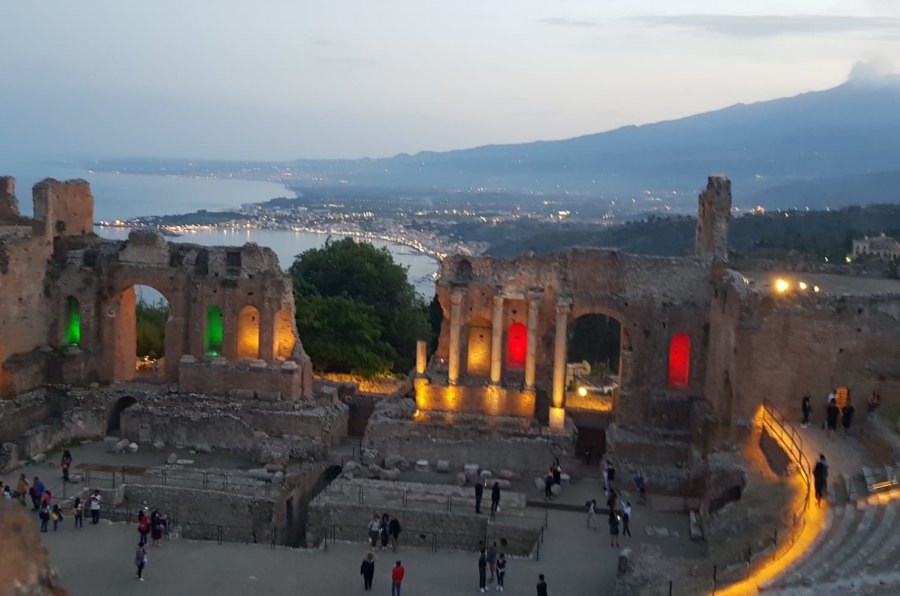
{"x": 679, "y": 360}
{"x": 516, "y": 346}
{"x": 120, "y": 336}
{"x": 626, "y": 353}
{"x": 285, "y": 337}
{"x": 215, "y": 328}
{"x": 464, "y": 270}
{"x": 72, "y": 331}
{"x": 248, "y": 333}
{"x": 114, "y": 419}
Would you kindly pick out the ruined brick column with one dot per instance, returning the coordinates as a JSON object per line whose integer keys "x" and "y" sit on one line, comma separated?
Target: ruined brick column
{"x": 421, "y": 357}
{"x": 455, "y": 315}
{"x": 559, "y": 353}
{"x": 497, "y": 341}
{"x": 531, "y": 347}
{"x": 713, "y": 219}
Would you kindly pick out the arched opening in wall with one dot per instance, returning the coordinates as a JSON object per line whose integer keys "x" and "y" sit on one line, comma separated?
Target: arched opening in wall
{"x": 478, "y": 354}
{"x": 679, "y": 360}
{"x": 284, "y": 334}
{"x": 72, "y": 334}
{"x": 248, "y": 333}
{"x": 212, "y": 341}
{"x": 464, "y": 271}
{"x": 114, "y": 420}
{"x": 141, "y": 326}
{"x": 593, "y": 362}
{"x": 516, "y": 346}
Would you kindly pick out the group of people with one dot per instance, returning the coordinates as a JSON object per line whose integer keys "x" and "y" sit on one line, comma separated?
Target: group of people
{"x": 495, "y": 497}
{"x": 387, "y": 529}
{"x": 367, "y": 570}
{"x": 619, "y": 521}
{"x": 834, "y": 412}
{"x": 553, "y": 477}
{"x": 491, "y": 560}
{"x": 42, "y": 503}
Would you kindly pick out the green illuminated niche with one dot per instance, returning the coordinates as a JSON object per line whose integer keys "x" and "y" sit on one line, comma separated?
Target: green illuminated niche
{"x": 73, "y": 322}
{"x": 213, "y": 342}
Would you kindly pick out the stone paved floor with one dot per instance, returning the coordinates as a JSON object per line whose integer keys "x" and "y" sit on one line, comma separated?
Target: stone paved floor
{"x": 97, "y": 561}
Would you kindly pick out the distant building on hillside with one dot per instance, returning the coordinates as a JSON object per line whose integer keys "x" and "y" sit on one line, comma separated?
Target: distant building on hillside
{"x": 880, "y": 246}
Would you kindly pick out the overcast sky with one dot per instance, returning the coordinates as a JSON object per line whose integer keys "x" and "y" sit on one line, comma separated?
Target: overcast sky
{"x": 281, "y": 79}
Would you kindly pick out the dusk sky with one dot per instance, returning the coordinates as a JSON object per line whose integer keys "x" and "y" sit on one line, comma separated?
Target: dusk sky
{"x": 283, "y": 79}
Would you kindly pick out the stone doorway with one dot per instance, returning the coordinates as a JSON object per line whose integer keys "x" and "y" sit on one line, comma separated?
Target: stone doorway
{"x": 114, "y": 420}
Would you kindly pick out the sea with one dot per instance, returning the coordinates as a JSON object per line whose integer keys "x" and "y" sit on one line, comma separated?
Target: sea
{"x": 125, "y": 196}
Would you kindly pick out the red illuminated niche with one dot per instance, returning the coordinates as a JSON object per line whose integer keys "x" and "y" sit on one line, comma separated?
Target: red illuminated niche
{"x": 679, "y": 360}
{"x": 516, "y": 345}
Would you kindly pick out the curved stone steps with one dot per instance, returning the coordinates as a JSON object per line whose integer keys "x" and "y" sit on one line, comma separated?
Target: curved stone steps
{"x": 883, "y": 584}
{"x": 827, "y": 526}
{"x": 844, "y": 525}
{"x": 886, "y": 553}
{"x": 854, "y": 540}
{"x": 876, "y": 541}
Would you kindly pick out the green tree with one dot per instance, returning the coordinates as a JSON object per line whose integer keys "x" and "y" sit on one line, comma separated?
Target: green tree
{"x": 373, "y": 290}
{"x": 151, "y": 329}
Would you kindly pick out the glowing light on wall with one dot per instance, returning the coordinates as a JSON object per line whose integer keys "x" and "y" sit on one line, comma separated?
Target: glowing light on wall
{"x": 516, "y": 345}
{"x": 781, "y": 285}
{"x": 73, "y": 322}
{"x": 284, "y": 334}
{"x": 248, "y": 333}
{"x": 214, "y": 329}
{"x": 679, "y": 360}
{"x": 479, "y": 353}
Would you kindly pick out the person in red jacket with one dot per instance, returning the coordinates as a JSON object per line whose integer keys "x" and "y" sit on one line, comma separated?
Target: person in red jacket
{"x": 397, "y": 578}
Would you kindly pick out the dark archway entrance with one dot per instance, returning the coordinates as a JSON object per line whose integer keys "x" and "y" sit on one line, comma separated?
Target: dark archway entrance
{"x": 114, "y": 420}
{"x": 593, "y": 360}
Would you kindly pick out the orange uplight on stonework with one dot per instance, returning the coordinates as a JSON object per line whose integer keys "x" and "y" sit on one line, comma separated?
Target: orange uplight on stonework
{"x": 679, "y": 360}
{"x": 516, "y": 345}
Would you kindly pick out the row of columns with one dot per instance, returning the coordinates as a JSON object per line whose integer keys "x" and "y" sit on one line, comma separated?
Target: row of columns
{"x": 497, "y": 327}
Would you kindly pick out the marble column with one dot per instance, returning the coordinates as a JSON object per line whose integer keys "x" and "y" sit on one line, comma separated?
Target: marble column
{"x": 497, "y": 341}
{"x": 559, "y": 353}
{"x": 531, "y": 347}
{"x": 455, "y": 316}
{"x": 421, "y": 357}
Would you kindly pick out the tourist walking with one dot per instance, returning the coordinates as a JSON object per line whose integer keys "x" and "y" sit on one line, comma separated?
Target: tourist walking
{"x": 57, "y": 516}
{"x": 44, "y": 516}
{"x": 626, "y": 519}
{"x": 385, "y": 530}
{"x": 501, "y": 571}
{"x": 367, "y": 570}
{"x": 78, "y": 512}
{"x": 495, "y": 499}
{"x": 587, "y": 455}
{"x": 832, "y": 418}
{"x": 492, "y": 561}
{"x": 548, "y": 484}
{"x": 65, "y": 463}
{"x": 479, "y": 493}
{"x": 395, "y": 533}
{"x": 557, "y": 472}
{"x": 397, "y": 578}
{"x": 613, "y": 528}
{"x": 95, "y": 507}
{"x": 140, "y": 561}
{"x": 374, "y": 531}
{"x": 143, "y": 526}
{"x": 591, "y": 507}
{"x": 482, "y": 571}
{"x": 156, "y": 527}
{"x": 541, "y": 586}
{"x": 641, "y": 485}
{"x": 820, "y": 478}
{"x": 22, "y": 489}
{"x": 611, "y": 501}
{"x": 611, "y": 477}
{"x": 37, "y": 493}
{"x": 806, "y": 408}
{"x": 847, "y": 416}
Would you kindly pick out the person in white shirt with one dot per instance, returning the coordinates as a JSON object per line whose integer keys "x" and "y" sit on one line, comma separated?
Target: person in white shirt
{"x": 95, "y": 507}
{"x": 626, "y": 518}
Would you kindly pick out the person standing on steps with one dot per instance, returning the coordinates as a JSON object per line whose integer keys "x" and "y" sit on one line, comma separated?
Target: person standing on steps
{"x": 397, "y": 578}
{"x": 482, "y": 571}
{"x": 65, "y": 463}
{"x": 479, "y": 493}
{"x": 847, "y": 416}
{"x": 820, "y": 478}
{"x": 626, "y": 519}
{"x": 95, "y": 507}
{"x": 495, "y": 499}
{"x": 832, "y": 418}
{"x": 367, "y": 570}
{"x": 541, "y": 586}
{"x": 806, "y": 408}
{"x": 501, "y": 572}
{"x": 492, "y": 561}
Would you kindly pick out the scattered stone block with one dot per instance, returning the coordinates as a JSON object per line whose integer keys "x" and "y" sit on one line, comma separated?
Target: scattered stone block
{"x": 259, "y": 474}
{"x": 422, "y": 465}
{"x": 39, "y": 458}
{"x": 509, "y": 475}
{"x": 268, "y": 395}
{"x": 352, "y": 467}
{"x": 392, "y": 474}
{"x": 278, "y": 477}
{"x": 173, "y": 388}
{"x": 122, "y": 445}
{"x": 111, "y": 444}
{"x": 564, "y": 479}
{"x": 662, "y": 532}
{"x": 443, "y": 466}
{"x": 485, "y": 474}
{"x": 184, "y": 462}
{"x": 274, "y": 468}
{"x": 133, "y": 448}
{"x": 203, "y": 448}
{"x": 624, "y": 556}
{"x": 76, "y": 478}
{"x": 396, "y": 461}
{"x": 461, "y": 479}
{"x": 471, "y": 471}
{"x": 555, "y": 490}
{"x": 159, "y": 445}
{"x": 172, "y": 458}
{"x": 539, "y": 483}
{"x": 649, "y": 531}
{"x": 501, "y": 483}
